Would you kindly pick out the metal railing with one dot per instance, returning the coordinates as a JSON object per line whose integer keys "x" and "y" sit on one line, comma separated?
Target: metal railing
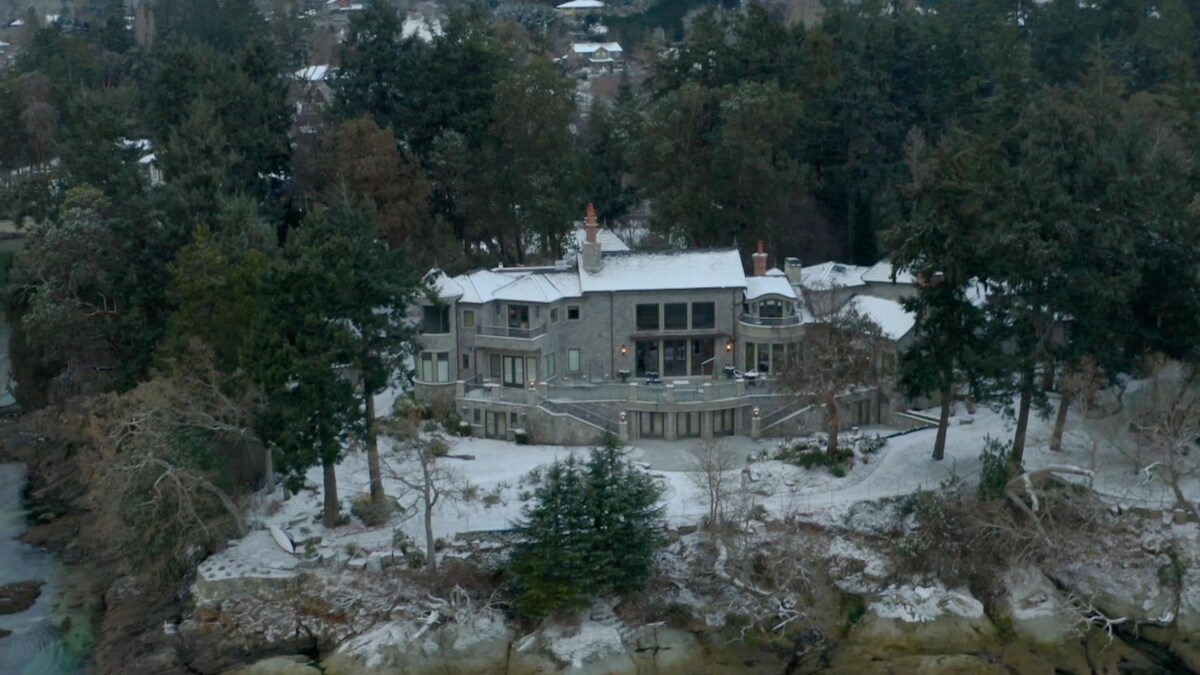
{"x": 514, "y": 332}
{"x": 770, "y": 321}
{"x": 591, "y": 417}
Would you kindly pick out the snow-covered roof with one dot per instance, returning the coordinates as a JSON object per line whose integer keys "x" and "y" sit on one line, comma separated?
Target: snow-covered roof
{"x": 540, "y": 287}
{"x": 315, "y": 73}
{"x": 665, "y": 271}
{"x": 831, "y": 274}
{"x": 757, "y": 287}
{"x": 609, "y": 241}
{"x": 4, "y": 45}
{"x": 593, "y": 47}
{"x": 15, "y": 23}
{"x": 889, "y": 315}
{"x": 148, "y": 159}
{"x": 881, "y": 273}
{"x": 479, "y": 286}
{"x": 143, "y": 144}
{"x": 445, "y": 286}
{"x": 582, "y": 4}
{"x": 416, "y": 25}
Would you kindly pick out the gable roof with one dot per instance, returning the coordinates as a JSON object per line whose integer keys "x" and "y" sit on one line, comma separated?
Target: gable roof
{"x": 593, "y": 47}
{"x": 581, "y": 4}
{"x": 664, "y": 271}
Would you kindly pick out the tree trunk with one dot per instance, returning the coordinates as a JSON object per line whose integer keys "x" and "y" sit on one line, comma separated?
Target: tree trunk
{"x": 269, "y": 469}
{"x": 332, "y": 511}
{"x": 1018, "y": 448}
{"x": 377, "y": 495}
{"x": 939, "y": 443}
{"x": 831, "y": 408}
{"x": 1048, "y": 376}
{"x": 1060, "y": 421}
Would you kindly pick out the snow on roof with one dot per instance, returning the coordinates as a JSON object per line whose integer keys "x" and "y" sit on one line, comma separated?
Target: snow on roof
{"x": 312, "y": 73}
{"x": 4, "y": 44}
{"x": 776, "y": 272}
{"x": 479, "y": 286}
{"x": 143, "y": 144}
{"x": 881, "y": 273}
{"x": 446, "y": 287}
{"x": 16, "y": 22}
{"x": 831, "y": 274}
{"x": 148, "y": 159}
{"x": 539, "y": 287}
{"x": 889, "y": 315}
{"x": 593, "y": 47}
{"x": 609, "y": 241}
{"x": 757, "y": 287}
{"x": 582, "y": 4}
{"x": 665, "y": 271}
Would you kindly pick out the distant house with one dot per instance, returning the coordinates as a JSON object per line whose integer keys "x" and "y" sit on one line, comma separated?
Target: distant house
{"x": 597, "y": 56}
{"x": 578, "y": 8}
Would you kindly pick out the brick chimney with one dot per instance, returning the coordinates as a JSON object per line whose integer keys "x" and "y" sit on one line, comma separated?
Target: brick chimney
{"x": 760, "y": 261}
{"x": 592, "y": 259}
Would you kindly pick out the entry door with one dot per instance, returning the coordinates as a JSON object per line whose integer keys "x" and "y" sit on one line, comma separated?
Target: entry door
{"x": 514, "y": 371}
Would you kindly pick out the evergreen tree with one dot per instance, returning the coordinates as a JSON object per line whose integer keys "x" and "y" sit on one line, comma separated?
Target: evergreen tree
{"x": 592, "y": 529}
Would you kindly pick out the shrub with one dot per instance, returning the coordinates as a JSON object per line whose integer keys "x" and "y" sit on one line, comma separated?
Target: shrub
{"x": 369, "y": 513}
{"x": 873, "y": 444}
{"x": 809, "y": 457}
{"x": 996, "y": 469}
{"x": 521, "y": 437}
{"x": 838, "y": 470}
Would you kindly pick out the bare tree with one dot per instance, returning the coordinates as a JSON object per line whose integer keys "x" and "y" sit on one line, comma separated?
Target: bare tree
{"x": 840, "y": 353}
{"x": 713, "y": 472}
{"x": 420, "y": 470}
{"x": 1167, "y": 434}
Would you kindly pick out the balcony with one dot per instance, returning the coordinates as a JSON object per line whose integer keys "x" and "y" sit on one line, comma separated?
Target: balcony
{"x": 770, "y": 321}
{"x": 514, "y": 332}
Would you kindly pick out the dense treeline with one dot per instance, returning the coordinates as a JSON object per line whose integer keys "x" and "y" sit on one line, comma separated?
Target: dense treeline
{"x": 1042, "y": 150}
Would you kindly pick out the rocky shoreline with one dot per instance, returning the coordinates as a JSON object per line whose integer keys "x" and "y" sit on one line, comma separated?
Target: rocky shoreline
{"x": 1125, "y": 600}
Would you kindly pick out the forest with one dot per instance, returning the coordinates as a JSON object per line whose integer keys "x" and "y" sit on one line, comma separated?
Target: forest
{"x": 1045, "y": 150}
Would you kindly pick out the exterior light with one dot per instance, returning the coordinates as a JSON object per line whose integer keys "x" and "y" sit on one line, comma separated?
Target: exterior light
{"x": 622, "y": 416}
{"x": 757, "y": 412}
{"x": 533, "y": 384}
{"x": 624, "y": 350}
{"x": 729, "y": 346}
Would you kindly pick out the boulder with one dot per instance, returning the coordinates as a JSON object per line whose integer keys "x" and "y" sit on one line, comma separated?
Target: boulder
{"x": 1036, "y": 610}
{"x": 924, "y": 619}
{"x": 278, "y": 665}
{"x": 19, "y": 596}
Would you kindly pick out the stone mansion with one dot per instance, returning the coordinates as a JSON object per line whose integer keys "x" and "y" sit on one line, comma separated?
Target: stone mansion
{"x": 645, "y": 344}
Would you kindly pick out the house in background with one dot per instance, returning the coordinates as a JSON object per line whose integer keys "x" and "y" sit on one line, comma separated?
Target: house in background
{"x": 597, "y": 57}
{"x": 645, "y": 344}
{"x": 576, "y": 9}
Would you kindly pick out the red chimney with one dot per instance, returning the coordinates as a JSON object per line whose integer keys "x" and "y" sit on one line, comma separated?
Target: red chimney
{"x": 760, "y": 261}
{"x": 591, "y": 223}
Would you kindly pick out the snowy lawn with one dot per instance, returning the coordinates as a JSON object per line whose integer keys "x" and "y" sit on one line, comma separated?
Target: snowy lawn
{"x": 902, "y": 467}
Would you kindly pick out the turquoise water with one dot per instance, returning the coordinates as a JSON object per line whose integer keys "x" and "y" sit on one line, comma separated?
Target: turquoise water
{"x": 48, "y": 638}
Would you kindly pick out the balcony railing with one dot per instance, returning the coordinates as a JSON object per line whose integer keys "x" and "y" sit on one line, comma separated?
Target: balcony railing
{"x": 754, "y": 320}
{"x": 519, "y": 333}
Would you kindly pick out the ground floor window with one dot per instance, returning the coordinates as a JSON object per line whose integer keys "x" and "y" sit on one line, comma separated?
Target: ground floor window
{"x": 768, "y": 357}
{"x": 723, "y": 422}
{"x": 651, "y": 424}
{"x": 574, "y": 361}
{"x": 687, "y": 424}
{"x": 435, "y": 366}
{"x": 551, "y": 369}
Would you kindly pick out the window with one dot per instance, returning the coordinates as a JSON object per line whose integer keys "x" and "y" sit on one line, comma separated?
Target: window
{"x": 702, "y": 357}
{"x": 647, "y": 317}
{"x": 512, "y": 420}
{"x": 518, "y": 316}
{"x": 704, "y": 315}
{"x": 531, "y": 368}
{"x": 475, "y": 414}
{"x": 435, "y": 367}
{"x": 494, "y": 366}
{"x": 550, "y": 369}
{"x": 466, "y": 361}
{"x": 553, "y": 315}
{"x": 435, "y": 319}
{"x": 675, "y": 316}
{"x": 751, "y": 363}
{"x": 468, "y": 318}
{"x": 770, "y": 309}
{"x": 723, "y": 422}
{"x": 572, "y": 312}
{"x": 687, "y": 424}
{"x": 573, "y": 361}
{"x": 645, "y": 356}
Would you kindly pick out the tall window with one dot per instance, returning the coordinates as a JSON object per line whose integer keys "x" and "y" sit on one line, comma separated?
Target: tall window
{"x": 468, "y": 318}
{"x": 551, "y": 369}
{"x": 435, "y": 367}
{"x": 675, "y": 316}
{"x": 553, "y": 315}
{"x": 702, "y": 357}
{"x": 647, "y": 317}
{"x": 435, "y": 319}
{"x": 518, "y": 316}
{"x": 494, "y": 369}
{"x": 675, "y": 355}
{"x": 704, "y": 315}
{"x": 574, "y": 361}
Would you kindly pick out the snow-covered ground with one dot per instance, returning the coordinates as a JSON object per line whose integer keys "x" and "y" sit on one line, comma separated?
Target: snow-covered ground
{"x": 902, "y": 467}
